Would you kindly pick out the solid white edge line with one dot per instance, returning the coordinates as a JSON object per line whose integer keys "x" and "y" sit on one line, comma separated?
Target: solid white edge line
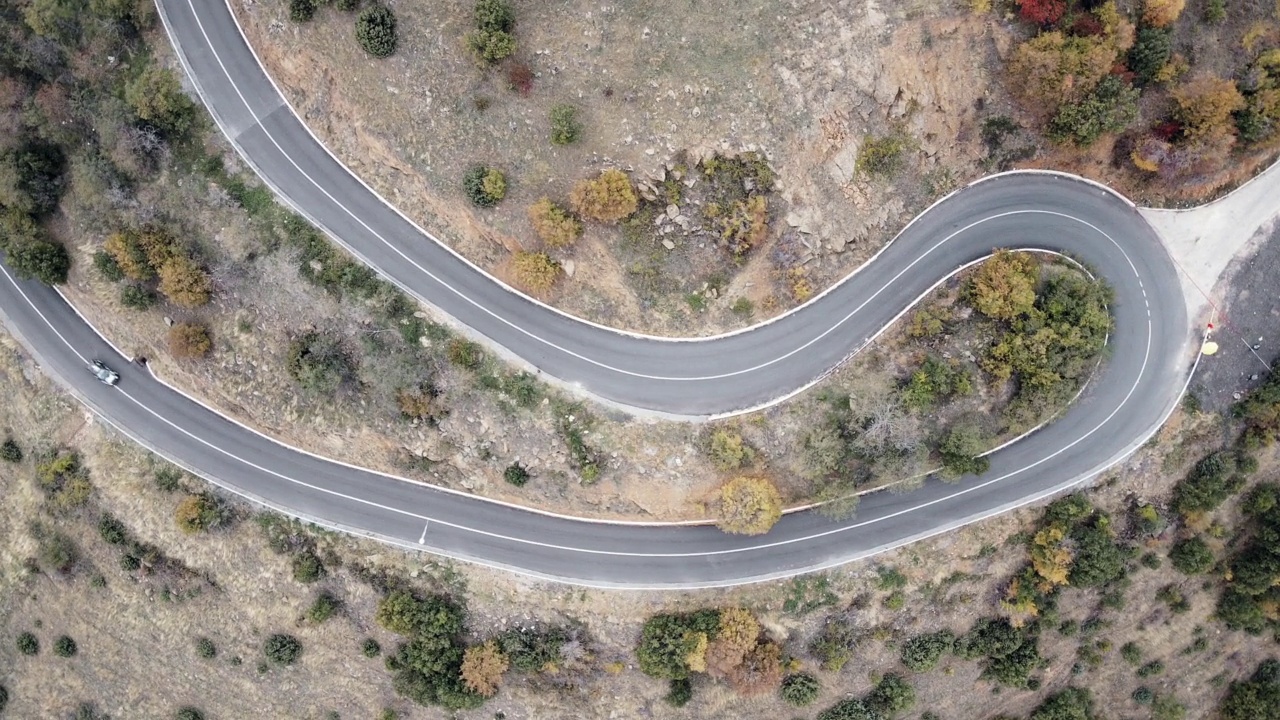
{"x": 521, "y": 541}
{"x": 910, "y": 540}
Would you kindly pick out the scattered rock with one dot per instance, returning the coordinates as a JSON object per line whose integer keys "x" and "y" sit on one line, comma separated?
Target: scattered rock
{"x": 673, "y": 211}
{"x": 668, "y": 244}
{"x": 568, "y": 266}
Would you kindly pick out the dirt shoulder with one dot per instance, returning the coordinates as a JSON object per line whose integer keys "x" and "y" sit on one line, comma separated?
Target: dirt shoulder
{"x": 234, "y": 585}
{"x": 804, "y": 85}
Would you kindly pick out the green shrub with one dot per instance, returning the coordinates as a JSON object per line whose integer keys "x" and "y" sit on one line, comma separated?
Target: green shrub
{"x": 64, "y": 647}
{"x": 45, "y": 261}
{"x": 1209, "y": 483}
{"x": 206, "y": 649}
{"x": 1110, "y": 108}
{"x": 4, "y": 697}
{"x": 922, "y": 652}
{"x": 319, "y": 362}
{"x": 57, "y": 552}
{"x": 1167, "y": 707}
{"x": 1191, "y": 556}
{"x": 727, "y": 450}
{"x": 1260, "y": 499}
{"x": 188, "y": 713}
{"x": 1151, "y": 50}
{"x": 667, "y": 639}
{"x": 403, "y": 613}
{"x": 465, "y": 354}
{"x": 834, "y": 644}
{"x": 28, "y": 644}
{"x": 490, "y": 46}
{"x": 370, "y": 648}
{"x": 1155, "y": 667}
{"x": 565, "y": 127}
{"x": 882, "y": 155}
{"x": 1253, "y": 699}
{"x": 1131, "y": 653}
{"x": 376, "y": 31}
{"x": 129, "y": 562}
{"x": 891, "y": 696}
{"x": 851, "y": 709}
{"x": 492, "y": 39}
{"x": 168, "y": 478}
{"x": 1144, "y": 696}
{"x": 107, "y": 266}
{"x": 1098, "y": 558}
{"x": 516, "y": 474}
{"x": 199, "y": 513}
{"x": 485, "y": 186}
{"x": 347, "y": 5}
{"x": 494, "y": 15}
{"x": 800, "y": 689}
{"x": 323, "y": 607}
{"x": 1070, "y": 704}
{"x": 282, "y": 649}
{"x": 137, "y": 297}
{"x": 10, "y": 451}
{"x": 679, "y": 692}
{"x": 302, "y": 10}
{"x": 530, "y": 650}
{"x": 960, "y": 450}
{"x": 307, "y": 567}
{"x": 113, "y": 531}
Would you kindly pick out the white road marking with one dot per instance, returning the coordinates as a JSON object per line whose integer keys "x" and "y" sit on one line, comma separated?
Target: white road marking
{"x": 590, "y": 551}
{"x": 566, "y": 351}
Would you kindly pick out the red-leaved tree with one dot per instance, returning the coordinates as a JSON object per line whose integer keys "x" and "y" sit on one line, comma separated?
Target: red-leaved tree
{"x": 1042, "y": 12}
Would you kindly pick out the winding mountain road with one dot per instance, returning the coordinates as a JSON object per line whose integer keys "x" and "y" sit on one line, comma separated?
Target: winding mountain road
{"x": 1127, "y": 400}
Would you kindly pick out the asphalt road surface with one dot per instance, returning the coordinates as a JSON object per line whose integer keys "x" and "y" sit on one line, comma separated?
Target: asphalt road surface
{"x": 1125, "y": 402}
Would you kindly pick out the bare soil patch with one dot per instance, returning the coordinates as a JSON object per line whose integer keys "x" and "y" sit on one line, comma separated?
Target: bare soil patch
{"x": 803, "y": 85}
{"x": 137, "y": 642}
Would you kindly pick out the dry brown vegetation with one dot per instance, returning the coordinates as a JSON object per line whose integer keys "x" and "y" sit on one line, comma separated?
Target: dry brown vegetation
{"x": 138, "y": 651}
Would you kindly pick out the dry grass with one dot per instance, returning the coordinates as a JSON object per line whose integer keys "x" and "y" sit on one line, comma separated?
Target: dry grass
{"x": 651, "y": 80}
{"x": 137, "y": 650}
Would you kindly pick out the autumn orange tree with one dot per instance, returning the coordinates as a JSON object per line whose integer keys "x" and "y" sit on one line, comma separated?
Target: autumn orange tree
{"x": 184, "y": 282}
{"x": 482, "y": 668}
{"x": 607, "y": 198}
{"x": 749, "y": 506}
{"x": 553, "y": 224}
{"x": 197, "y": 513}
{"x": 735, "y": 637}
{"x": 1054, "y": 67}
{"x": 189, "y": 340}
{"x": 536, "y": 271}
{"x": 1004, "y": 287}
{"x": 1161, "y": 13}
{"x": 1205, "y": 106}
{"x": 760, "y": 671}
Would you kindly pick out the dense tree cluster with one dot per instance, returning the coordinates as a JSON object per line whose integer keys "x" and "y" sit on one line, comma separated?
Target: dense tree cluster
{"x": 1053, "y": 338}
{"x": 1256, "y": 698}
{"x": 725, "y": 644}
{"x": 1254, "y": 567}
{"x": 428, "y": 667}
